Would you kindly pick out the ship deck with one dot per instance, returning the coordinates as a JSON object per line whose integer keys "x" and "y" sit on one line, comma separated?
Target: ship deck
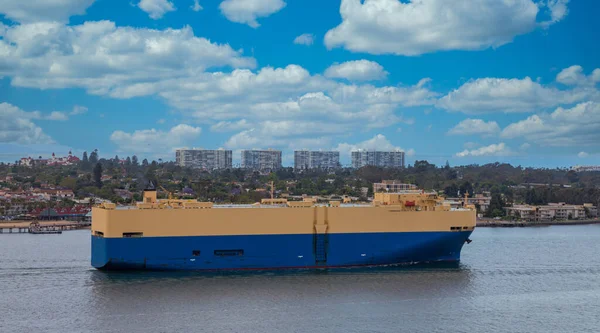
{"x": 282, "y": 206}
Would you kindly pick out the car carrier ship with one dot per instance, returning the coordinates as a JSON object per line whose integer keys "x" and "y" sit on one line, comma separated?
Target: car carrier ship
{"x": 165, "y": 234}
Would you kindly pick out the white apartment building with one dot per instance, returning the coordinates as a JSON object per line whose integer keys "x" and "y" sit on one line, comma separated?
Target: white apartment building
{"x": 553, "y": 211}
{"x": 204, "y": 158}
{"x": 384, "y": 159}
{"x": 326, "y": 160}
{"x": 261, "y": 160}
{"x": 583, "y": 168}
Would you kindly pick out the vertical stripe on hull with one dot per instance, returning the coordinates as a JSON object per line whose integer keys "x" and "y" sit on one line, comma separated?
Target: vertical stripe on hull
{"x": 275, "y": 251}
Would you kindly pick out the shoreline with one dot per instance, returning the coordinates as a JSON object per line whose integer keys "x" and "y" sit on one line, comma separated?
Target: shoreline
{"x": 522, "y": 224}
{"x": 69, "y": 225}
{"x": 21, "y": 227}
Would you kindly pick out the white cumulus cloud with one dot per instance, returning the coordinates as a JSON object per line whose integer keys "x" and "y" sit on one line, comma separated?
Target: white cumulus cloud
{"x": 422, "y": 26}
{"x": 558, "y": 10}
{"x": 289, "y": 94}
{"x": 154, "y": 141}
{"x": 156, "y": 8}
{"x": 248, "y": 11}
{"x": 475, "y": 127}
{"x": 99, "y": 56}
{"x": 574, "y": 76}
{"x": 287, "y": 103}
{"x": 305, "y": 39}
{"x": 57, "y": 115}
{"x": 378, "y": 142}
{"x": 229, "y": 126}
{"x": 28, "y": 11}
{"x": 487, "y": 95}
{"x": 569, "y": 127}
{"x": 583, "y": 154}
{"x": 78, "y": 109}
{"x": 246, "y": 139}
{"x": 17, "y": 126}
{"x": 196, "y": 6}
{"x": 499, "y": 149}
{"x": 357, "y": 70}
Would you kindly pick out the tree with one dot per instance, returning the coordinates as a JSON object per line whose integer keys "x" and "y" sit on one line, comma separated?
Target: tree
{"x": 150, "y": 176}
{"x": 68, "y": 182}
{"x": 145, "y": 163}
{"x": 98, "y": 175}
{"x": 466, "y": 187}
{"x": 116, "y": 158}
{"x": 134, "y": 160}
{"x": 128, "y": 161}
{"x": 84, "y": 159}
{"x": 572, "y": 176}
{"x": 422, "y": 166}
{"x": 94, "y": 157}
{"x": 496, "y": 207}
{"x": 451, "y": 190}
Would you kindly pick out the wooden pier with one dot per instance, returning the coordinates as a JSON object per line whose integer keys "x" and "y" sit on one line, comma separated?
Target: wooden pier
{"x": 53, "y": 227}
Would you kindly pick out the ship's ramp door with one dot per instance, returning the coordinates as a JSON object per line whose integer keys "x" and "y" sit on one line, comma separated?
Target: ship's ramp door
{"x": 320, "y": 236}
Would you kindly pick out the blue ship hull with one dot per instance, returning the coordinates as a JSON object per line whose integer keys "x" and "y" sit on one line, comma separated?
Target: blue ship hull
{"x": 276, "y": 251}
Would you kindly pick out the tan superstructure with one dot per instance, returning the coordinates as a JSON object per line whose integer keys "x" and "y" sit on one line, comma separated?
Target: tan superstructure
{"x": 411, "y": 211}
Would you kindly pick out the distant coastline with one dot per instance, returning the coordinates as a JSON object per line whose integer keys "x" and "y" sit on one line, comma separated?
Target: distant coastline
{"x": 513, "y": 224}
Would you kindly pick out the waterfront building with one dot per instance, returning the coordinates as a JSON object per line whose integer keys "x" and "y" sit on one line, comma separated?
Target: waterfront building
{"x": 480, "y": 200}
{"x": 204, "y": 158}
{"x": 325, "y": 160}
{"x": 552, "y": 211}
{"x": 261, "y": 160}
{"x": 393, "y": 186}
{"x": 385, "y": 159}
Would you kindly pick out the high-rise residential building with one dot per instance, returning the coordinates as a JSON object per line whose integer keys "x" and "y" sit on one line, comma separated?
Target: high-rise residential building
{"x": 305, "y": 159}
{"x": 203, "y": 158}
{"x": 261, "y": 160}
{"x": 385, "y": 159}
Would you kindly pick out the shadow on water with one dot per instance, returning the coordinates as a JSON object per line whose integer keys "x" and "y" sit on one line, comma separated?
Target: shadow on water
{"x": 126, "y": 276}
{"x": 273, "y": 289}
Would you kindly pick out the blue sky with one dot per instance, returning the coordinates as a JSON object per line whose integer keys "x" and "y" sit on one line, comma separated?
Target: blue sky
{"x": 468, "y": 81}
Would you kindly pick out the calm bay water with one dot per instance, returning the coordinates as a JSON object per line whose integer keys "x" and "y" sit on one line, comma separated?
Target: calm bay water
{"x": 510, "y": 280}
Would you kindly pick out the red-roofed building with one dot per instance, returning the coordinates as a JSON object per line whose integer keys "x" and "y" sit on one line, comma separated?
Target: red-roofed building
{"x": 61, "y": 213}
{"x": 67, "y": 160}
{"x": 54, "y": 160}
{"x": 54, "y": 194}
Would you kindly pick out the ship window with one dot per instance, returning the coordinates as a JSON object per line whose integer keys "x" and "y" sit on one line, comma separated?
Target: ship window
{"x": 133, "y": 234}
{"x": 465, "y": 228}
{"x": 196, "y": 253}
{"x": 98, "y": 233}
{"x": 229, "y": 253}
